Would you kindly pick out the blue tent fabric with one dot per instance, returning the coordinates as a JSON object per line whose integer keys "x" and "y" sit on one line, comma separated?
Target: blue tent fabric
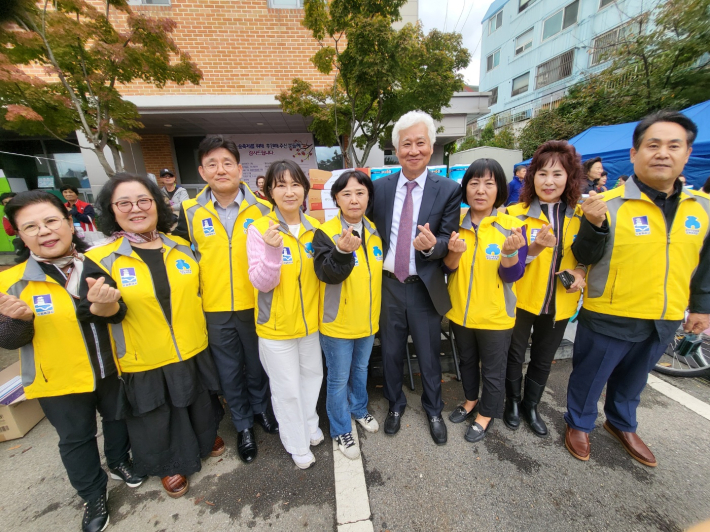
{"x": 612, "y": 144}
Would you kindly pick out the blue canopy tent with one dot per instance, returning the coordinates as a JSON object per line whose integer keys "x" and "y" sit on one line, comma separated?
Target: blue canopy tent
{"x": 612, "y": 144}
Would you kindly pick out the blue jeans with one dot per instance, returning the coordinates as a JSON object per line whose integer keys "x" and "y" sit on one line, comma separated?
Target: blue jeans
{"x": 347, "y": 380}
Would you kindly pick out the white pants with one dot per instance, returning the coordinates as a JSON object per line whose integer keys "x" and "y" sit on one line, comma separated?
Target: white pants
{"x": 295, "y": 370}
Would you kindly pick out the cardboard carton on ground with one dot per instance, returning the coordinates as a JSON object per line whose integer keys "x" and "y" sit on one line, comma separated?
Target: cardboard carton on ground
{"x": 320, "y": 199}
{"x": 17, "y": 418}
{"x": 323, "y": 180}
{"x": 324, "y": 215}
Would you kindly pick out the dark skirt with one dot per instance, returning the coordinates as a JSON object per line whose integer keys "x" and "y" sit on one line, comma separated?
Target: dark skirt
{"x": 172, "y": 414}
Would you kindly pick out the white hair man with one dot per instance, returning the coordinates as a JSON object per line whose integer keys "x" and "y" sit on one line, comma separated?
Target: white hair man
{"x": 415, "y": 212}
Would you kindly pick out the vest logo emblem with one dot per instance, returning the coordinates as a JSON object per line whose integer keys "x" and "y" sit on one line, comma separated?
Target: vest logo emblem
{"x": 43, "y": 304}
{"x": 692, "y": 225}
{"x": 128, "y": 276}
{"x": 247, "y": 223}
{"x": 492, "y": 251}
{"x": 377, "y": 252}
{"x": 183, "y": 266}
{"x": 286, "y": 256}
{"x": 641, "y": 226}
{"x": 207, "y": 227}
{"x": 357, "y": 262}
{"x": 309, "y": 250}
{"x": 533, "y": 235}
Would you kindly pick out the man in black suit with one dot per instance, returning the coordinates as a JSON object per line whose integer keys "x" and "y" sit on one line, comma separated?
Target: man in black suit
{"x": 415, "y": 212}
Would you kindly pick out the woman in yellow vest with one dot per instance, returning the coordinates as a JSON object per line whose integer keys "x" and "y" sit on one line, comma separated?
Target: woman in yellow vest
{"x": 548, "y": 203}
{"x": 485, "y": 259}
{"x": 348, "y": 261}
{"x": 170, "y": 381}
{"x": 280, "y": 255}
{"x": 68, "y": 365}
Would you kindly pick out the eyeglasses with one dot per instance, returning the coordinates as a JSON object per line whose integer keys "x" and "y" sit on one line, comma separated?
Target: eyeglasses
{"x": 144, "y": 204}
{"x": 52, "y": 224}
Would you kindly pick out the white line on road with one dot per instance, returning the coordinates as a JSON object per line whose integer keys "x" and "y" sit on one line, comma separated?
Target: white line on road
{"x": 684, "y": 398}
{"x": 351, "y": 500}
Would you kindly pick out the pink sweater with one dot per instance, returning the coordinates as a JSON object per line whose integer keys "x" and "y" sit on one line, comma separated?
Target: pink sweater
{"x": 264, "y": 261}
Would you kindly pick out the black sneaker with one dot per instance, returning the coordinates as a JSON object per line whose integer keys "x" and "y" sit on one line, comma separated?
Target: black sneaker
{"x": 124, "y": 471}
{"x": 95, "y": 514}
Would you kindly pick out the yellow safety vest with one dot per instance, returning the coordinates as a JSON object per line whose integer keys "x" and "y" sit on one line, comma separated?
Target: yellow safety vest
{"x": 646, "y": 268}
{"x": 224, "y": 271}
{"x": 533, "y": 288}
{"x": 57, "y": 361}
{"x": 479, "y": 297}
{"x": 349, "y": 310}
{"x": 290, "y": 310}
{"x": 145, "y": 339}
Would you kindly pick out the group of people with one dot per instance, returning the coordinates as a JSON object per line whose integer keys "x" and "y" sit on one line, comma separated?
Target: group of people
{"x": 241, "y": 297}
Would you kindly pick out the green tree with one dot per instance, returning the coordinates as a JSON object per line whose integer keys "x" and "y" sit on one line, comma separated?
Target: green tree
{"x": 87, "y": 59}
{"x": 505, "y": 138}
{"x": 379, "y": 73}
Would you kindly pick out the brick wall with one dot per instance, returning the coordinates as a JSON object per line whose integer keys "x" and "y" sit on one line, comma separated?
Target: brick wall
{"x": 157, "y": 153}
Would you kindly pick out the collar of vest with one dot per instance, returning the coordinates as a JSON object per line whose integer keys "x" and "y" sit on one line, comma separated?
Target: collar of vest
{"x": 125, "y": 249}
{"x": 535, "y": 211}
{"x": 206, "y": 193}
{"x": 283, "y": 226}
{"x": 33, "y": 272}
{"x": 365, "y": 223}
{"x": 632, "y": 191}
{"x": 468, "y": 224}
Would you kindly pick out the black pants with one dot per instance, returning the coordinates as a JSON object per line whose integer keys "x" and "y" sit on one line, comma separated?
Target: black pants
{"x": 235, "y": 350}
{"x": 407, "y": 310}
{"x": 489, "y": 349}
{"x": 546, "y": 338}
{"x": 74, "y": 418}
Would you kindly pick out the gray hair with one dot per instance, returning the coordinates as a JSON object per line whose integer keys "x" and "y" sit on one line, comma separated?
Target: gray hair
{"x": 410, "y": 119}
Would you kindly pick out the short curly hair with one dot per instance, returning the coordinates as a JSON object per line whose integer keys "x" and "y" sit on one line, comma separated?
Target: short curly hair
{"x": 549, "y": 153}
{"x": 106, "y": 219}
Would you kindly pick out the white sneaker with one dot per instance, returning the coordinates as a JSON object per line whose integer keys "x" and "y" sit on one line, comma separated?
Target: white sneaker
{"x": 368, "y": 423}
{"x": 304, "y": 461}
{"x": 347, "y": 446}
{"x": 317, "y": 437}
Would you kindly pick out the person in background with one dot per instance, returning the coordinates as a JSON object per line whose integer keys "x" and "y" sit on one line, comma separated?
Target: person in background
{"x": 348, "y": 258}
{"x": 259, "y": 192}
{"x": 280, "y": 254}
{"x": 486, "y": 257}
{"x": 516, "y": 184}
{"x": 622, "y": 179}
{"x": 83, "y": 213}
{"x": 147, "y": 285}
{"x": 601, "y": 183}
{"x": 5, "y": 197}
{"x": 548, "y": 207}
{"x": 681, "y": 178}
{"x": 593, "y": 169}
{"x": 649, "y": 253}
{"x": 216, "y": 223}
{"x": 175, "y": 194}
{"x": 38, "y": 299}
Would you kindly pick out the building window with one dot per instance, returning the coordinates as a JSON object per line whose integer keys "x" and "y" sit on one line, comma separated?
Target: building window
{"x": 604, "y": 3}
{"x": 495, "y": 22}
{"x": 493, "y": 60}
{"x": 555, "y": 69}
{"x": 524, "y": 4}
{"x": 524, "y": 42}
{"x": 493, "y": 98}
{"x": 149, "y": 2}
{"x": 605, "y": 44}
{"x": 286, "y": 4}
{"x": 520, "y": 84}
{"x": 561, "y": 20}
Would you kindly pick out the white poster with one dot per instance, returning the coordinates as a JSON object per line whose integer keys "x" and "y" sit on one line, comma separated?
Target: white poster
{"x": 257, "y": 152}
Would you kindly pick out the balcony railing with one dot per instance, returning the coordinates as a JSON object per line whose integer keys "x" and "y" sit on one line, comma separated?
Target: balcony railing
{"x": 555, "y": 69}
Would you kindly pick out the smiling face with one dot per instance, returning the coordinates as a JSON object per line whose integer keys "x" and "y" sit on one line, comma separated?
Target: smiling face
{"x": 135, "y": 220}
{"x": 70, "y": 195}
{"x": 288, "y": 194}
{"x": 663, "y": 153}
{"x": 414, "y": 150}
{"x": 550, "y": 181}
{"x": 481, "y": 194}
{"x": 221, "y": 171}
{"x": 54, "y": 238}
{"x": 352, "y": 201}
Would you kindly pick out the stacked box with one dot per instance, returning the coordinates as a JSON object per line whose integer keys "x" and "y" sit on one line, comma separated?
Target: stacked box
{"x": 439, "y": 169}
{"x": 320, "y": 204}
{"x": 382, "y": 171}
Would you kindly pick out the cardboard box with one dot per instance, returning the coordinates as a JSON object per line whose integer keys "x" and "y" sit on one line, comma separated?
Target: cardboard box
{"x": 382, "y": 171}
{"x": 320, "y": 199}
{"x": 439, "y": 169}
{"x": 17, "y": 418}
{"x": 323, "y": 180}
{"x": 324, "y": 215}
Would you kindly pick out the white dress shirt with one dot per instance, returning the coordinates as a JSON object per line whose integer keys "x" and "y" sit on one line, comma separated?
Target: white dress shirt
{"x": 400, "y": 194}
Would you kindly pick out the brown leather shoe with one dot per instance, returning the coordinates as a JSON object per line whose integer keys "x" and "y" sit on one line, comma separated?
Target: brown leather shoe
{"x": 176, "y": 485}
{"x": 577, "y": 443}
{"x": 633, "y": 445}
{"x": 218, "y": 447}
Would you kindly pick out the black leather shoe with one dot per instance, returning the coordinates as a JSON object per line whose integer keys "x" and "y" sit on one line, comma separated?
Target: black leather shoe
{"x": 476, "y": 432}
{"x": 267, "y": 422}
{"x": 511, "y": 413}
{"x": 124, "y": 471}
{"x": 533, "y": 394}
{"x": 459, "y": 415}
{"x": 437, "y": 429}
{"x": 393, "y": 422}
{"x": 246, "y": 445}
{"x": 95, "y": 514}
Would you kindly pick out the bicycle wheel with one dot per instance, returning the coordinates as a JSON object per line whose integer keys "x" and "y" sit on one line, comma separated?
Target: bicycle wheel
{"x": 695, "y": 364}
